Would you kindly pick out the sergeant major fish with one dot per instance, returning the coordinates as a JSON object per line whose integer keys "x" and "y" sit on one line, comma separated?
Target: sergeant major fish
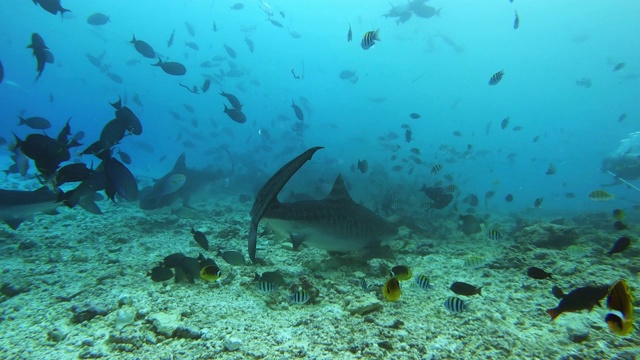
{"x": 369, "y": 39}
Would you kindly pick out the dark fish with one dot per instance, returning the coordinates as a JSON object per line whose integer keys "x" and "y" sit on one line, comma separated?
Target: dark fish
{"x": 249, "y": 43}
{"x": 171, "y": 67}
{"x": 457, "y": 133}
{"x": 536, "y": 138}
{"x": 538, "y": 202}
{"x": 438, "y": 195}
{"x": 274, "y": 22}
{"x": 600, "y": 195}
{"x": 363, "y": 166}
{"x": 200, "y": 238}
{"x": 1, "y": 72}
{"x": 230, "y": 51}
{"x": 98, "y": 19}
{"x": 233, "y": 257}
{"x": 349, "y": 34}
{"x": 473, "y": 199}
{"x": 508, "y": 198}
{"x": 233, "y": 100}
{"x": 618, "y": 66}
{"x": 170, "y": 41}
{"x": 436, "y": 168}
{"x": 121, "y": 181}
{"x": 620, "y": 245}
{"x": 414, "y": 115}
{"x": 143, "y": 48}
{"x": 72, "y": 173}
{"x": 160, "y": 273}
{"x": 495, "y": 78}
{"x": 237, "y": 6}
{"x": 619, "y": 225}
{"x": 192, "y": 45}
{"x": 347, "y": 74}
{"x": 35, "y": 122}
{"x": 504, "y": 123}
{"x": 215, "y": 27}
{"x": 235, "y": 115}
{"x": 190, "y": 29}
{"x": 136, "y": 99}
{"x": 41, "y": 52}
{"x": 538, "y": 274}
{"x": 469, "y": 225}
{"x": 516, "y": 21}
{"x": 124, "y": 157}
{"x": 297, "y": 111}
{"x": 115, "y": 77}
{"x": 206, "y": 85}
{"x": 462, "y": 288}
{"x": 51, "y": 6}
{"x": 274, "y": 277}
{"x": 454, "y": 304}
{"x": 127, "y": 116}
{"x": 45, "y": 151}
{"x": 269, "y": 193}
{"x": 407, "y": 135}
{"x": 396, "y": 168}
{"x": 620, "y": 118}
{"x": 369, "y": 39}
{"x": 517, "y": 128}
{"x": 557, "y": 292}
{"x": 584, "y": 298}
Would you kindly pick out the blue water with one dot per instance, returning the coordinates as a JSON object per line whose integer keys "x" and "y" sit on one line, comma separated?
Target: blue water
{"x": 412, "y": 68}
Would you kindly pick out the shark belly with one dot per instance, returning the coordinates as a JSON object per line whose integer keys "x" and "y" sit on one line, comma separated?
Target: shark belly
{"x": 322, "y": 236}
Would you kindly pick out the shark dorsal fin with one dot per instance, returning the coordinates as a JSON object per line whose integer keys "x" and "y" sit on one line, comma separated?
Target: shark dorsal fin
{"x": 180, "y": 165}
{"x": 339, "y": 190}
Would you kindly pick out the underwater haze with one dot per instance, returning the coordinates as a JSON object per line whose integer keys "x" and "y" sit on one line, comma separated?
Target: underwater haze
{"x": 490, "y": 136}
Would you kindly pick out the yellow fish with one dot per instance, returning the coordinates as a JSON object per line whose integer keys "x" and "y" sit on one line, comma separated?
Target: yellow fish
{"x": 391, "y": 289}
{"x": 401, "y": 272}
{"x": 210, "y": 273}
{"x": 620, "y": 301}
{"x": 600, "y": 195}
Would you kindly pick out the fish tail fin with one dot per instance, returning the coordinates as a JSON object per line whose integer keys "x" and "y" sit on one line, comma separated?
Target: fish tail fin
{"x": 62, "y": 11}
{"x": 158, "y": 63}
{"x": 438, "y": 12}
{"x": 480, "y": 291}
{"x": 133, "y": 40}
{"x": 21, "y": 121}
{"x": 376, "y": 35}
{"x": 554, "y": 313}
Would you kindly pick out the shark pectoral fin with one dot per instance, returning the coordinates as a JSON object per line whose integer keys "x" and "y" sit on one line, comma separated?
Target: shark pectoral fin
{"x": 296, "y": 240}
{"x": 89, "y": 205}
{"x": 14, "y": 223}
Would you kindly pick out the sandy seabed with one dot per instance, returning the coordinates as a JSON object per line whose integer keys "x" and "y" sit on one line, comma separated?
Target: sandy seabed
{"x": 78, "y": 288}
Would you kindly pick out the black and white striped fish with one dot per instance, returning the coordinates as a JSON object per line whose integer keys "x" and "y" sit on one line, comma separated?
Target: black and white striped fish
{"x": 369, "y": 39}
{"x": 299, "y": 297}
{"x": 266, "y": 287}
{"x": 423, "y": 282}
{"x": 454, "y": 304}
{"x": 495, "y": 78}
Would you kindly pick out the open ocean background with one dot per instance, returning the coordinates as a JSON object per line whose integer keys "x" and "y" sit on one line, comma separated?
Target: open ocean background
{"x": 412, "y": 69}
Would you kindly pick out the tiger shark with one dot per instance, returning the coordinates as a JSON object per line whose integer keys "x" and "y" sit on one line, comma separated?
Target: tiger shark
{"x": 335, "y": 223}
{"x": 17, "y": 206}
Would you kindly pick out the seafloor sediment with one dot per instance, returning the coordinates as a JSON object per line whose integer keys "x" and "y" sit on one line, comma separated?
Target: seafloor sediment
{"x": 76, "y": 286}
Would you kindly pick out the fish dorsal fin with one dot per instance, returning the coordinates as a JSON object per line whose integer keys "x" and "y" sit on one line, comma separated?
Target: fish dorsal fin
{"x": 181, "y": 165}
{"x": 339, "y": 190}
